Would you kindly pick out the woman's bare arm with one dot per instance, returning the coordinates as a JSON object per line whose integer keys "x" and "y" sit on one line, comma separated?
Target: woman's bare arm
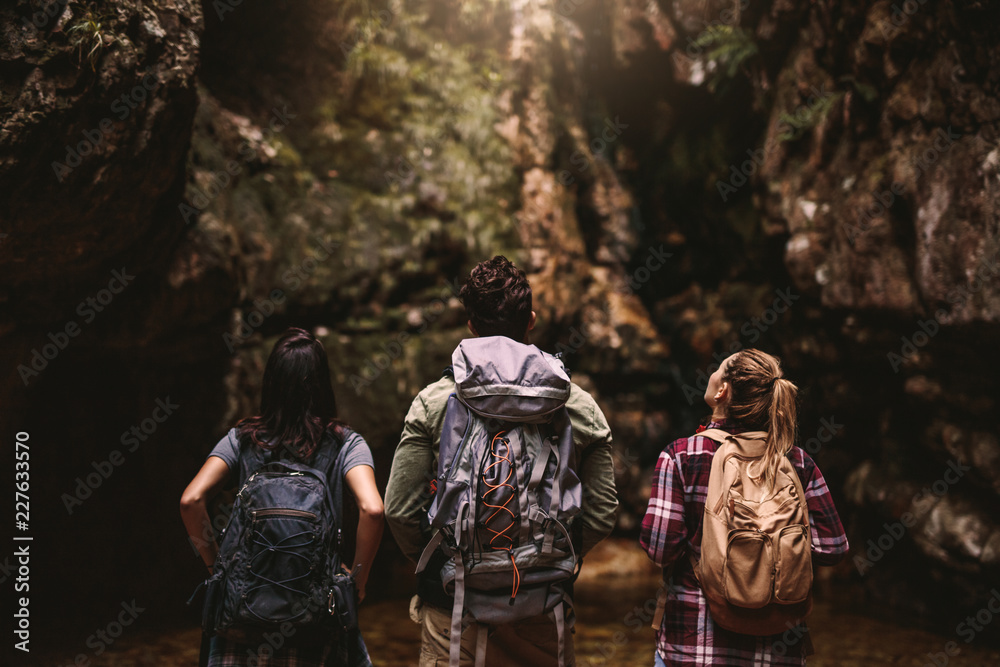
{"x": 194, "y": 507}
{"x": 361, "y": 482}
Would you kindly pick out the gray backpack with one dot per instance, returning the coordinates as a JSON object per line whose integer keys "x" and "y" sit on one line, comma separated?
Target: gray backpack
{"x": 507, "y": 489}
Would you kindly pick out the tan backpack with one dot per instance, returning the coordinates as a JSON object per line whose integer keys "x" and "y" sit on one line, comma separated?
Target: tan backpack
{"x": 756, "y": 553}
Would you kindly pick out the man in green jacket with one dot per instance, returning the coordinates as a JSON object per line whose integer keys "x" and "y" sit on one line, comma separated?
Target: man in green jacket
{"x": 497, "y": 299}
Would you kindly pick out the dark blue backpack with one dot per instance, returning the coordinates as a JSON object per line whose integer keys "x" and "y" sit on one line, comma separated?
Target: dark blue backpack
{"x": 279, "y": 559}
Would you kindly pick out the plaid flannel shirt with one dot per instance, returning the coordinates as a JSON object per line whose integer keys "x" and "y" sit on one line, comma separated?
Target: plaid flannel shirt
{"x": 671, "y": 529}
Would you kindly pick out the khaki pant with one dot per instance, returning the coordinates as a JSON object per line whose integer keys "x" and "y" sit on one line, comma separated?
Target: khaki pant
{"x": 533, "y": 641}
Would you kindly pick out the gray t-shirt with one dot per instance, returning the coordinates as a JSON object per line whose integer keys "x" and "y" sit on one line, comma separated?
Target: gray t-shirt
{"x": 357, "y": 451}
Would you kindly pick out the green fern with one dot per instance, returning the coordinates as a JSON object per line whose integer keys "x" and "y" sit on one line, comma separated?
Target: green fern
{"x": 372, "y": 59}
{"x": 729, "y": 47}
{"x": 806, "y": 117}
{"x": 866, "y": 90}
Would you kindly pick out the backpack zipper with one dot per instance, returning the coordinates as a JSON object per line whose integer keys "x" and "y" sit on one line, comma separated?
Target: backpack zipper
{"x": 280, "y": 511}
{"x": 461, "y": 446}
{"x": 733, "y": 503}
{"x": 239, "y": 494}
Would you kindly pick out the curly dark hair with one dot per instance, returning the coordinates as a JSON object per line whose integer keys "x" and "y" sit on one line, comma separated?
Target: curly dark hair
{"x": 497, "y": 299}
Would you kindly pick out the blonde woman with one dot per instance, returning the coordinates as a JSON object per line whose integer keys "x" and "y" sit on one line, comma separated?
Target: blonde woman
{"x": 747, "y": 393}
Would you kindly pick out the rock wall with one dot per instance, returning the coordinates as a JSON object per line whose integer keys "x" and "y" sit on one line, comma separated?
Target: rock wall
{"x": 877, "y": 160}
{"x": 680, "y": 179}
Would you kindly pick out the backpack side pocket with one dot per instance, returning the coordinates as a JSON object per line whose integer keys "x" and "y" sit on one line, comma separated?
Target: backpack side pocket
{"x": 344, "y": 601}
{"x": 793, "y": 579}
{"x": 213, "y": 600}
{"x": 749, "y": 569}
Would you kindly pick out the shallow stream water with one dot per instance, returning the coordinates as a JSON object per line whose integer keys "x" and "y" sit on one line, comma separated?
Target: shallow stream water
{"x": 614, "y": 599}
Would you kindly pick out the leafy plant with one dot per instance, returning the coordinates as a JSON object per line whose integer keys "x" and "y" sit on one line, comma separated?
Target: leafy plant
{"x": 91, "y": 34}
{"x": 866, "y": 90}
{"x": 729, "y": 47}
{"x": 806, "y": 117}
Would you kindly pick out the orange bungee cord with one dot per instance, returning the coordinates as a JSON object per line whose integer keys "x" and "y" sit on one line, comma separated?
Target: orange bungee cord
{"x": 502, "y": 534}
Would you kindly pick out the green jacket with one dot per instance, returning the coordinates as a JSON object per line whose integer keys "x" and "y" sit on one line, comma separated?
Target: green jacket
{"x": 414, "y": 465}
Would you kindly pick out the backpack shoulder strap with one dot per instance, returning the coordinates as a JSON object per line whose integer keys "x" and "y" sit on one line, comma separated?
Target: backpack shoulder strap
{"x": 337, "y": 476}
{"x": 329, "y": 461}
{"x": 749, "y": 444}
{"x": 559, "y": 356}
{"x": 328, "y": 451}
{"x": 716, "y": 476}
{"x": 716, "y": 434}
{"x": 251, "y": 458}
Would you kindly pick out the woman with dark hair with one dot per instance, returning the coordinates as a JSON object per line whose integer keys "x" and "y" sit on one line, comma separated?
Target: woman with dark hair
{"x": 748, "y": 392}
{"x": 298, "y": 416}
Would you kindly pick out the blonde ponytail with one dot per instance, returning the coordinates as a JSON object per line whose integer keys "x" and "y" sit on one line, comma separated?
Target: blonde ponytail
{"x": 781, "y": 428}
{"x": 763, "y": 400}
